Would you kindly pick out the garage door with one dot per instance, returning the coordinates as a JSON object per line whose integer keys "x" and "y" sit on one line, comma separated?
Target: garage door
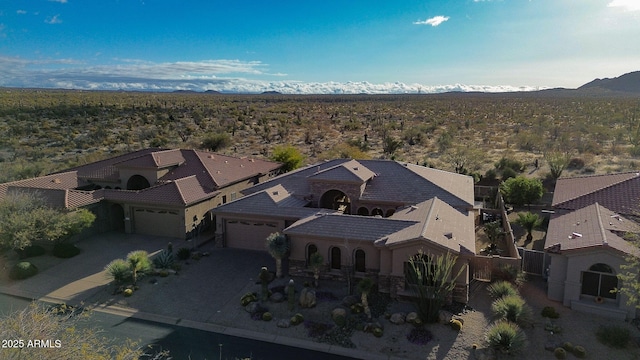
{"x": 158, "y": 222}
{"x": 249, "y": 235}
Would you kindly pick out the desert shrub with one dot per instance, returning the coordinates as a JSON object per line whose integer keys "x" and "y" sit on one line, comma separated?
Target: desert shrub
{"x": 456, "y": 324}
{"x": 613, "y": 336}
{"x": 248, "y": 298}
{"x": 378, "y": 332}
{"x": 506, "y": 337}
{"x": 512, "y": 308}
{"x": 31, "y": 251}
{"x": 164, "y": 260}
{"x": 118, "y": 270}
{"x": 184, "y": 253}
{"x": 22, "y": 270}
{"x": 267, "y": 316}
{"x": 216, "y": 141}
{"x": 509, "y": 273}
{"x": 340, "y": 320}
{"x": 513, "y": 164}
{"x": 65, "y": 250}
{"x": 560, "y": 353}
{"x": 550, "y": 312}
{"x": 568, "y": 347}
{"x": 419, "y": 336}
{"x": 127, "y": 292}
{"x": 575, "y": 164}
{"x": 579, "y": 352}
{"x": 501, "y": 289}
{"x": 297, "y": 319}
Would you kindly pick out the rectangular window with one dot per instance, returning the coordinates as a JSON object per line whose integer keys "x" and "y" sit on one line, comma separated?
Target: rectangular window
{"x": 590, "y": 283}
{"x": 233, "y": 196}
{"x": 224, "y": 199}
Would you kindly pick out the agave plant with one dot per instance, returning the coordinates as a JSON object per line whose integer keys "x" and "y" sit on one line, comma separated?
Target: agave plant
{"x": 164, "y": 260}
{"x": 277, "y": 246}
{"x": 506, "y": 337}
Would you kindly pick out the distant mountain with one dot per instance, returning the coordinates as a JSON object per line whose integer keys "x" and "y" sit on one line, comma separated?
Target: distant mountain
{"x": 629, "y": 83}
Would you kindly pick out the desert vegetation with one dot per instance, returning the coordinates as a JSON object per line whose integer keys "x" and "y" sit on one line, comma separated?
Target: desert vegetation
{"x": 52, "y": 130}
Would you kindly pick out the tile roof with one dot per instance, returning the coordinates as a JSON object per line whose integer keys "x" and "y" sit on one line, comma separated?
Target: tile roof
{"x": 393, "y": 182}
{"x": 618, "y": 192}
{"x": 66, "y": 180}
{"x": 588, "y": 227}
{"x": 273, "y": 202}
{"x": 183, "y": 192}
{"x": 350, "y": 171}
{"x": 155, "y": 160}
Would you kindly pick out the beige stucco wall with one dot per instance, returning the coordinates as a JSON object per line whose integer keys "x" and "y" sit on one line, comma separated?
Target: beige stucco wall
{"x": 347, "y": 249}
{"x": 571, "y": 265}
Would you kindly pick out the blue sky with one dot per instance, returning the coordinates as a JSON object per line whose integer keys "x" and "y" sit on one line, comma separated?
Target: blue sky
{"x": 323, "y": 46}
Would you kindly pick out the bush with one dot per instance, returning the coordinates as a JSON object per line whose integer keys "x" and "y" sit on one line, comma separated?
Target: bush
{"x": 512, "y": 308}
{"x": 613, "y": 336}
{"x": 127, "y": 292}
{"x": 550, "y": 312}
{"x": 184, "y": 253}
{"x": 511, "y": 274}
{"x": 501, "y": 289}
{"x": 568, "y": 347}
{"x": 31, "y": 251}
{"x": 22, "y": 270}
{"x": 378, "y": 332}
{"x": 164, "y": 260}
{"x": 340, "y": 320}
{"x": 579, "y": 352}
{"x": 267, "y": 316}
{"x": 456, "y": 324}
{"x": 248, "y": 298}
{"x": 65, "y": 250}
{"x": 507, "y": 337}
{"x": 118, "y": 269}
{"x": 560, "y": 353}
{"x": 297, "y": 319}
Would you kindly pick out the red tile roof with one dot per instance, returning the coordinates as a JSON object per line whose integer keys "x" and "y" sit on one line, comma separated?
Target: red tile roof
{"x": 618, "y": 192}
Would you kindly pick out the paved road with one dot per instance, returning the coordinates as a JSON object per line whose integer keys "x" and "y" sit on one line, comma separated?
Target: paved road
{"x": 183, "y": 342}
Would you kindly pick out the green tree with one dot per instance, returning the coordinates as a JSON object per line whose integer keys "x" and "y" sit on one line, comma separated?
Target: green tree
{"x": 278, "y": 247}
{"x": 68, "y": 341}
{"x": 557, "y": 163}
{"x": 629, "y": 274}
{"x": 432, "y": 279}
{"x": 529, "y": 221}
{"x": 139, "y": 263}
{"x": 493, "y": 230}
{"x": 289, "y": 156}
{"x": 521, "y": 190}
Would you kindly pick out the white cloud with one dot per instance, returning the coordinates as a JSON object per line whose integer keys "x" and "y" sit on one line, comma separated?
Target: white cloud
{"x": 60, "y": 1}
{"x": 434, "y": 21}
{"x": 21, "y": 12}
{"x": 196, "y": 76}
{"x": 629, "y": 5}
{"x": 55, "y": 19}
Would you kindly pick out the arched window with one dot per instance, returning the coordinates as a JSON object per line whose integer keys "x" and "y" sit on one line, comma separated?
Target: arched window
{"x": 335, "y": 258}
{"x": 599, "y": 280}
{"x": 336, "y": 200}
{"x": 137, "y": 182}
{"x": 363, "y": 211}
{"x": 376, "y": 212}
{"x": 359, "y": 260}
{"x": 311, "y": 249}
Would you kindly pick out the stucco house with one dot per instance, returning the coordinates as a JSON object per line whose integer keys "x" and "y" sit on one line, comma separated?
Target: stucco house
{"x": 586, "y": 241}
{"x": 365, "y": 217}
{"x": 151, "y": 191}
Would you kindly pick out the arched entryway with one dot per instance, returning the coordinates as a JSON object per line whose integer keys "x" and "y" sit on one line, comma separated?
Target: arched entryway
{"x": 336, "y": 200}
{"x": 137, "y": 182}
{"x": 117, "y": 217}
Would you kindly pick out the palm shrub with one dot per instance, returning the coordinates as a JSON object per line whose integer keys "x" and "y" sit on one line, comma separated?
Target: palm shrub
{"x": 501, "y": 289}
{"x": 118, "y": 269}
{"x": 277, "y": 246}
{"x": 139, "y": 263}
{"x": 529, "y": 221}
{"x": 512, "y": 308}
{"x": 316, "y": 262}
{"x": 364, "y": 287}
{"x": 164, "y": 260}
{"x": 506, "y": 337}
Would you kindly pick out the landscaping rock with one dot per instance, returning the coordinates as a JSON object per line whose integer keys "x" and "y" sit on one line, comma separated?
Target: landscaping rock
{"x": 252, "y": 308}
{"x": 307, "y": 298}
{"x": 412, "y": 317}
{"x": 398, "y": 318}
{"x": 338, "y": 312}
{"x": 283, "y": 323}
{"x": 350, "y": 300}
{"x": 276, "y": 297}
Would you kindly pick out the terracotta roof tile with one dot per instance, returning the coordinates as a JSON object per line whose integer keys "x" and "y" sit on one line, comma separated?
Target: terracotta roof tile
{"x": 350, "y": 171}
{"x": 591, "y": 226}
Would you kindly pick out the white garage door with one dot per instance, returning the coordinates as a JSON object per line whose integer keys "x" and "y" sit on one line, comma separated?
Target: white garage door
{"x": 249, "y": 235}
{"x": 158, "y": 222}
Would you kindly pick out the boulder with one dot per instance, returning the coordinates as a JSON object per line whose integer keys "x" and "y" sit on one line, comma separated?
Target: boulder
{"x": 398, "y": 318}
{"x": 307, "y": 298}
{"x": 412, "y": 317}
{"x": 252, "y": 308}
{"x": 338, "y": 312}
{"x": 276, "y": 297}
{"x": 350, "y": 300}
{"x": 283, "y": 323}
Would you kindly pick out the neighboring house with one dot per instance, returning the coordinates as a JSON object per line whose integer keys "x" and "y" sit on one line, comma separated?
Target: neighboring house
{"x": 585, "y": 240}
{"x": 152, "y": 191}
{"x": 366, "y": 218}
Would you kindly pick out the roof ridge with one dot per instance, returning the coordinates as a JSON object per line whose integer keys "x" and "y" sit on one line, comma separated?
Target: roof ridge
{"x": 197, "y": 154}
{"x": 428, "y": 218}
{"x": 603, "y": 233}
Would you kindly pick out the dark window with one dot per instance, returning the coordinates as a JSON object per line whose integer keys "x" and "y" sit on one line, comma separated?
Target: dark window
{"x": 224, "y": 199}
{"x": 599, "y": 281}
{"x": 360, "y": 261}
{"x": 335, "y": 258}
{"x": 376, "y": 212}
